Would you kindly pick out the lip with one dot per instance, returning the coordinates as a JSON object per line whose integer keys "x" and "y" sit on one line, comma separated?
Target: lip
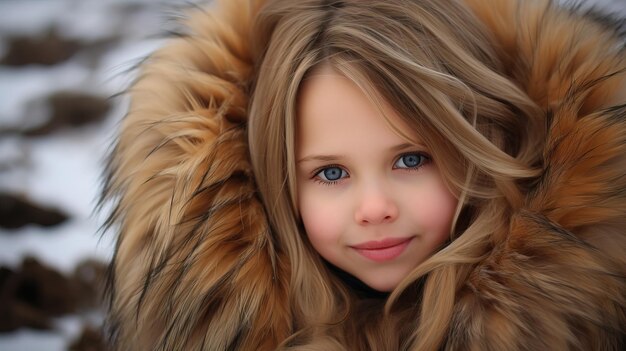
{"x": 383, "y": 250}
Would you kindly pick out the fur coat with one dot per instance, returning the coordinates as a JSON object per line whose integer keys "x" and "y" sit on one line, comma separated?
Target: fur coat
{"x": 195, "y": 266}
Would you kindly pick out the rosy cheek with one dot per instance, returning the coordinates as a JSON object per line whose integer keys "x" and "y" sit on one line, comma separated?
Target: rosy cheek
{"x": 321, "y": 221}
{"x": 318, "y": 224}
{"x": 436, "y": 209}
{"x": 447, "y": 208}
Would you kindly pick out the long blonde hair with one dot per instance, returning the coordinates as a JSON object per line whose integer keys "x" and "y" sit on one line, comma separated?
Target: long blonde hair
{"x": 432, "y": 61}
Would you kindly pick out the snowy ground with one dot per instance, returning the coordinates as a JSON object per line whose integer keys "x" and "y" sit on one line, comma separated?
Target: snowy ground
{"x": 63, "y": 169}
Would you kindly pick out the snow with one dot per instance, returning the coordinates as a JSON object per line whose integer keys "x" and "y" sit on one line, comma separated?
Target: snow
{"x": 88, "y": 19}
{"x": 66, "y": 328}
{"x": 27, "y": 340}
{"x": 19, "y": 86}
{"x": 62, "y": 170}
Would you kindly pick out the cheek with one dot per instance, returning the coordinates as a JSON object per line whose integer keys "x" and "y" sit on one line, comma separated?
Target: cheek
{"x": 435, "y": 209}
{"x": 322, "y": 219}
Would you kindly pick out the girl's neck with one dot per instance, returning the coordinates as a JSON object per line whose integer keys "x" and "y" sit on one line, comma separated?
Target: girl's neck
{"x": 359, "y": 288}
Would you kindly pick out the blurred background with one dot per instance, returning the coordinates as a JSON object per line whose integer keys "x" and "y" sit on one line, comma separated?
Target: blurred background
{"x": 62, "y": 65}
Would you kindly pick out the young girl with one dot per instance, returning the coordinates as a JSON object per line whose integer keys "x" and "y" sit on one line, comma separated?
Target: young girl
{"x": 374, "y": 175}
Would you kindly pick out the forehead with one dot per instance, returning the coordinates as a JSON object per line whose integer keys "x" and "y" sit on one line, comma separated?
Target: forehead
{"x": 332, "y": 110}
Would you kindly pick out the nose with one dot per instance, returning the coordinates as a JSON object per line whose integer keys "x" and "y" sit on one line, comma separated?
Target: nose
{"x": 376, "y": 206}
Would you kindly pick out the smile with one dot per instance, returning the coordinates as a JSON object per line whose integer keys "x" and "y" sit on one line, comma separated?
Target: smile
{"x": 384, "y": 250}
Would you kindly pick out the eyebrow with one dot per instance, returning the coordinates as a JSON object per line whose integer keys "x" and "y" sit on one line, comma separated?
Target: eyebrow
{"x": 324, "y": 158}
{"x": 331, "y": 158}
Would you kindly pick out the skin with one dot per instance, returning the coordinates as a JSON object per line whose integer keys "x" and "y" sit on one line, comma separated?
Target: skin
{"x": 360, "y": 184}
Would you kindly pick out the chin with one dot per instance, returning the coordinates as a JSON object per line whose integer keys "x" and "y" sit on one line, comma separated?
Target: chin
{"x": 382, "y": 286}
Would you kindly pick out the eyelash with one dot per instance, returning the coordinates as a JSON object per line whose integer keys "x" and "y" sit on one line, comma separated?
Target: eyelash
{"x": 317, "y": 179}
{"x": 425, "y": 159}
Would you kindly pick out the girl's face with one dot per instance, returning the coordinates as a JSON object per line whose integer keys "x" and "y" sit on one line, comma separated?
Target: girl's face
{"x": 372, "y": 204}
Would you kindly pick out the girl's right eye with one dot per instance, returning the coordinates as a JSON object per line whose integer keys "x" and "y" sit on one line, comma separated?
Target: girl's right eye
{"x": 331, "y": 174}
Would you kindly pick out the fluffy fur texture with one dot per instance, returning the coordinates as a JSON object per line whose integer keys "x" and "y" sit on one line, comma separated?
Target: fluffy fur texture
{"x": 196, "y": 265}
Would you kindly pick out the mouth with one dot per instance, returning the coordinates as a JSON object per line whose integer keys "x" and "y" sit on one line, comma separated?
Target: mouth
{"x": 384, "y": 250}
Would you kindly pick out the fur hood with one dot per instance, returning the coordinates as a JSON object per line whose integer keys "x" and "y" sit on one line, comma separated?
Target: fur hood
{"x": 196, "y": 266}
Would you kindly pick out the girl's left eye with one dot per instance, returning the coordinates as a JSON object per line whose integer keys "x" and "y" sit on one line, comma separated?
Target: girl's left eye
{"x": 412, "y": 160}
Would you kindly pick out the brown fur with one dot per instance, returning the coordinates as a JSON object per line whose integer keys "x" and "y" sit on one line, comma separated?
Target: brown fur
{"x": 196, "y": 266}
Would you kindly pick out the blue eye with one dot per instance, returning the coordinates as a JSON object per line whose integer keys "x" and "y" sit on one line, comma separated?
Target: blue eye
{"x": 331, "y": 174}
{"x": 413, "y": 160}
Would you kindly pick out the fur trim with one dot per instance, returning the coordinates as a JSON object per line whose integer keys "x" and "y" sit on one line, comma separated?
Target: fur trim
{"x": 195, "y": 266}
{"x": 558, "y": 281}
